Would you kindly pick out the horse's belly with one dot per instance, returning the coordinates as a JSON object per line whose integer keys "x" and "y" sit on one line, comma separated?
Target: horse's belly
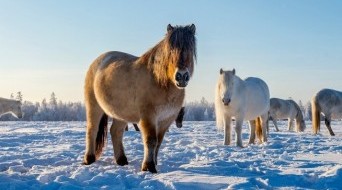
{"x": 118, "y": 103}
{"x": 166, "y": 112}
{"x": 336, "y": 114}
{"x": 255, "y": 111}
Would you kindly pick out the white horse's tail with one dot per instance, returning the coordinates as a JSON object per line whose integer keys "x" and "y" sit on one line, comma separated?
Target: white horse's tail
{"x": 258, "y": 129}
{"x": 316, "y": 115}
{"x": 218, "y": 110}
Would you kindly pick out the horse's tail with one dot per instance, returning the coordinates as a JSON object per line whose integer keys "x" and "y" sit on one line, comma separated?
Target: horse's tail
{"x": 258, "y": 128}
{"x": 101, "y": 137}
{"x": 316, "y": 115}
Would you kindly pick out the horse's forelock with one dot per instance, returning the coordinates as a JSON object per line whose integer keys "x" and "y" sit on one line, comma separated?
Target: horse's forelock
{"x": 181, "y": 42}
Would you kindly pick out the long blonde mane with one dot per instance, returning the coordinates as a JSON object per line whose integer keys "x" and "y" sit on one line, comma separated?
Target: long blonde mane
{"x": 219, "y": 113}
{"x": 178, "y": 48}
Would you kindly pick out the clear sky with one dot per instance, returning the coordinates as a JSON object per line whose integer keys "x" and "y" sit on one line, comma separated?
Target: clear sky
{"x": 295, "y": 46}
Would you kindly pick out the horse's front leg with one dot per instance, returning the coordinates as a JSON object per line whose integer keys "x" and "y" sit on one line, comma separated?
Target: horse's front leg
{"x": 162, "y": 128}
{"x": 238, "y": 131}
{"x": 290, "y": 124}
{"x": 116, "y": 131}
{"x": 149, "y": 136}
{"x": 227, "y": 130}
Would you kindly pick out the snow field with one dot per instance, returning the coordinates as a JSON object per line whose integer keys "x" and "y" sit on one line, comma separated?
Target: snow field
{"x": 48, "y": 155}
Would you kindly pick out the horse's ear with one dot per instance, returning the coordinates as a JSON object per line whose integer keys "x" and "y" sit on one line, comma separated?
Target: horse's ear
{"x": 193, "y": 29}
{"x": 233, "y": 71}
{"x": 221, "y": 71}
{"x": 169, "y": 28}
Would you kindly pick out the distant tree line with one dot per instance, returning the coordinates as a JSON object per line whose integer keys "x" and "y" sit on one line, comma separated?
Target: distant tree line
{"x": 53, "y": 110}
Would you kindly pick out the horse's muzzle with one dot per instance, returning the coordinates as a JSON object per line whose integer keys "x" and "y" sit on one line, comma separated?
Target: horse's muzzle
{"x": 226, "y": 101}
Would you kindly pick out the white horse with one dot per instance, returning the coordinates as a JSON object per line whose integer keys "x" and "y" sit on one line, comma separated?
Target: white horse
{"x": 247, "y": 99}
{"x": 329, "y": 103}
{"x": 286, "y": 109}
{"x": 12, "y": 106}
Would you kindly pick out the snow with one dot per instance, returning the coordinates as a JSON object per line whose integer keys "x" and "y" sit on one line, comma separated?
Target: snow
{"x": 48, "y": 155}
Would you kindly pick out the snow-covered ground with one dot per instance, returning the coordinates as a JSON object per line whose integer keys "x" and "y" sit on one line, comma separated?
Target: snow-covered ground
{"x": 48, "y": 155}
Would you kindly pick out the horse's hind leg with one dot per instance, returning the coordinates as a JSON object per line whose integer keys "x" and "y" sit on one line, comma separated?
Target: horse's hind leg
{"x": 275, "y": 124}
{"x": 290, "y": 124}
{"x": 328, "y": 124}
{"x": 149, "y": 136}
{"x": 94, "y": 114}
{"x": 136, "y": 127}
{"x": 116, "y": 131}
{"x": 252, "y": 132}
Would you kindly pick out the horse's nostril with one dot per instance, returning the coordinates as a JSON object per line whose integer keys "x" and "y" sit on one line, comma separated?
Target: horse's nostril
{"x": 223, "y": 100}
{"x": 186, "y": 77}
{"x": 178, "y": 77}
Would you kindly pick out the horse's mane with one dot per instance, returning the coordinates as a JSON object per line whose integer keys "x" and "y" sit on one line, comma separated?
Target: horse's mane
{"x": 218, "y": 109}
{"x": 178, "y": 48}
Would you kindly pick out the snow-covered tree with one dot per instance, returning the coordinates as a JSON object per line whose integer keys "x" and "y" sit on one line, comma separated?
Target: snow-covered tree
{"x": 19, "y": 96}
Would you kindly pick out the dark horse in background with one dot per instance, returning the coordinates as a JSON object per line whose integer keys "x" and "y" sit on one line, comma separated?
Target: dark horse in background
{"x": 152, "y": 98}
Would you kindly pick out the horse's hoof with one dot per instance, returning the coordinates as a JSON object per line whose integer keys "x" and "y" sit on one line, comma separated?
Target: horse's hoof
{"x": 149, "y": 167}
{"x": 89, "y": 159}
{"x": 122, "y": 160}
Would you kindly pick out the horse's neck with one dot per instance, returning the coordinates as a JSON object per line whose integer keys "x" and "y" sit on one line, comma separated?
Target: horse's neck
{"x": 151, "y": 56}
{"x": 238, "y": 83}
{"x": 4, "y": 106}
{"x": 156, "y": 62}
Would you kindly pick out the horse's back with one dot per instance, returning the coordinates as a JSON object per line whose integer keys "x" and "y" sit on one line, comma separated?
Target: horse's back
{"x": 329, "y": 100}
{"x": 258, "y": 87}
{"x": 114, "y": 57}
{"x": 258, "y": 97}
{"x": 281, "y": 109}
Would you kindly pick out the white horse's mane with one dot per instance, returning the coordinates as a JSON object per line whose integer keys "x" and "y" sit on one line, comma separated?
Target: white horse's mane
{"x": 218, "y": 108}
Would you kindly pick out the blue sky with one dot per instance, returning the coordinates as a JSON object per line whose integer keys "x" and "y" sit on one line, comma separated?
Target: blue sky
{"x": 295, "y": 46}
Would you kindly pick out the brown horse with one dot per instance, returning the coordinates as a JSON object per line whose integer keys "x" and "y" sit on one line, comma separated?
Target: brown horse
{"x": 153, "y": 97}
